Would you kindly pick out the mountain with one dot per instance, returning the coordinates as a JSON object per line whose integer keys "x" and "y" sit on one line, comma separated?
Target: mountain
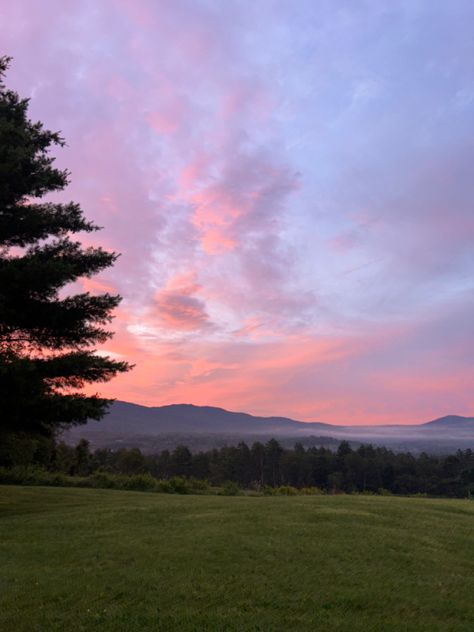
{"x": 202, "y": 427}
{"x": 132, "y": 418}
{"x": 449, "y": 422}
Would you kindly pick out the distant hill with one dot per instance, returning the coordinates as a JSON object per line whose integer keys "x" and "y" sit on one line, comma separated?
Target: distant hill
{"x": 136, "y": 419}
{"x": 452, "y": 421}
{"x": 154, "y": 428}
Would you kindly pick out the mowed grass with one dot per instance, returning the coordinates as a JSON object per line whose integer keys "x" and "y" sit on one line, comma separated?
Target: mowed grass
{"x": 82, "y": 559}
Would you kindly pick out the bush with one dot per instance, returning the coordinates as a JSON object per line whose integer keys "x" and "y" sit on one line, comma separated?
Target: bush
{"x": 286, "y": 490}
{"x": 311, "y": 491}
{"x": 23, "y": 475}
{"x": 35, "y": 475}
{"x": 179, "y": 485}
{"x": 165, "y": 487}
{"x": 230, "y": 489}
{"x": 102, "y": 480}
{"x": 59, "y": 480}
{"x": 198, "y": 485}
{"x": 140, "y": 482}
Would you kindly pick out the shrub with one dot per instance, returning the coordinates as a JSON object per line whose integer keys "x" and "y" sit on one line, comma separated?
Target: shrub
{"x": 34, "y": 475}
{"x": 102, "y": 480}
{"x": 140, "y": 482}
{"x": 57, "y": 479}
{"x": 198, "y": 485}
{"x": 311, "y": 491}
{"x": 230, "y": 489}
{"x": 286, "y": 490}
{"x": 179, "y": 485}
{"x": 23, "y": 475}
{"x": 165, "y": 487}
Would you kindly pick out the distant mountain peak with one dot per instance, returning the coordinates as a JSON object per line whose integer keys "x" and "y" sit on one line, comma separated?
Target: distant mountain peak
{"x": 451, "y": 420}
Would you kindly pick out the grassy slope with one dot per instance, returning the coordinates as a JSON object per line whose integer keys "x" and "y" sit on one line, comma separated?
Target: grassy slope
{"x": 81, "y": 559}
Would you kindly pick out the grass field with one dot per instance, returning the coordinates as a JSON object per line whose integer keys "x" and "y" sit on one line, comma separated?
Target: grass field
{"x": 82, "y": 559}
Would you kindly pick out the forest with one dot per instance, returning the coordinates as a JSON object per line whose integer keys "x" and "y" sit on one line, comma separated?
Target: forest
{"x": 269, "y": 466}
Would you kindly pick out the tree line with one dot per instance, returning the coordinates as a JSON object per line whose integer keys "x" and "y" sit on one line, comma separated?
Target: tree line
{"x": 259, "y": 466}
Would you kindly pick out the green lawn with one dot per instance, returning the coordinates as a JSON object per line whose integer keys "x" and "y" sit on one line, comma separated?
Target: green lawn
{"x": 82, "y": 559}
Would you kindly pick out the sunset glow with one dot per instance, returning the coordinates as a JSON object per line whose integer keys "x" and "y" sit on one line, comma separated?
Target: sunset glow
{"x": 291, "y": 189}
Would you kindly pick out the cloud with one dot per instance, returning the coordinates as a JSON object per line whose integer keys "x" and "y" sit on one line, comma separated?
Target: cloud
{"x": 178, "y": 308}
{"x": 290, "y": 190}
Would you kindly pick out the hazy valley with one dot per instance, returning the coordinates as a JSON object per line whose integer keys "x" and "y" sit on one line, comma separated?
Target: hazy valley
{"x": 203, "y": 427}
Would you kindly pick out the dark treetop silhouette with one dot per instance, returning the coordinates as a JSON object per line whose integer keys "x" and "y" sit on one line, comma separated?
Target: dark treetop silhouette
{"x": 46, "y": 338}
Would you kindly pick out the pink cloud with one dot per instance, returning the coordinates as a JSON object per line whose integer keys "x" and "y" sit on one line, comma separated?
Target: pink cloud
{"x": 187, "y": 131}
{"x": 368, "y": 377}
{"x": 178, "y": 308}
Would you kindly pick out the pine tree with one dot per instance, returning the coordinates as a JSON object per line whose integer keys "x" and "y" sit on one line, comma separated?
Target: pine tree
{"x": 47, "y": 336}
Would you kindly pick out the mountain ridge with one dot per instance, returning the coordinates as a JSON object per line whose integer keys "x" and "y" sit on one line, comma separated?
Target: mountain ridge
{"x": 444, "y": 420}
{"x": 129, "y": 424}
{"x": 190, "y": 417}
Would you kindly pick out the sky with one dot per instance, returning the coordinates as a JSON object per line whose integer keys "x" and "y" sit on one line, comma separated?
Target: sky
{"x": 290, "y": 186}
